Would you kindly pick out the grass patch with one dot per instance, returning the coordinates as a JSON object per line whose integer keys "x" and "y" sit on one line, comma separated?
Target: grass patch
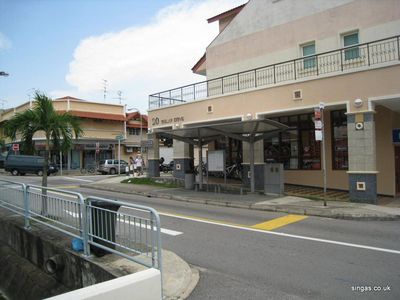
{"x": 150, "y": 181}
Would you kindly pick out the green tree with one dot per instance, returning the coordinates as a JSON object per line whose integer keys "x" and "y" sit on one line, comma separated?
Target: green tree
{"x": 58, "y": 129}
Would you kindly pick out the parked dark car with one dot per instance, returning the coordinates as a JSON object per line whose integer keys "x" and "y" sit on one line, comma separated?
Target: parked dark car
{"x": 22, "y": 164}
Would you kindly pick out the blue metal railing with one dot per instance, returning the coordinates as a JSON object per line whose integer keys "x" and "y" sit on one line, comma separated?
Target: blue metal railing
{"x": 353, "y": 57}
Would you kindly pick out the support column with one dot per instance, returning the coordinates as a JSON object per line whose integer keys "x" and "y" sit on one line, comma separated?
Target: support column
{"x": 258, "y": 165}
{"x": 183, "y": 159}
{"x": 362, "y": 157}
{"x": 153, "y": 154}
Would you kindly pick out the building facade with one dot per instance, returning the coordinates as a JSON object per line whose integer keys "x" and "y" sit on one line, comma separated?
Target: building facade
{"x": 280, "y": 60}
{"x": 102, "y": 125}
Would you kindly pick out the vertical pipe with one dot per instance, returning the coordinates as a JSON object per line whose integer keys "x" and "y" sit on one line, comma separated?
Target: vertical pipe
{"x": 25, "y": 190}
{"x": 61, "y": 162}
{"x": 252, "y": 182}
{"x": 200, "y": 162}
{"x": 84, "y": 221}
{"x": 323, "y": 154}
{"x": 153, "y": 242}
{"x": 119, "y": 156}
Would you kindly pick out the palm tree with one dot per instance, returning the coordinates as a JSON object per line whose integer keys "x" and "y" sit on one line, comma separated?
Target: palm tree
{"x": 58, "y": 129}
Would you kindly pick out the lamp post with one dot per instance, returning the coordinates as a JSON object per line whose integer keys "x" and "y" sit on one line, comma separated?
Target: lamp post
{"x": 2, "y": 73}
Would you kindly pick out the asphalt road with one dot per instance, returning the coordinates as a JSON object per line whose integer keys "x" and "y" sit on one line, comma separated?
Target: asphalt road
{"x": 314, "y": 258}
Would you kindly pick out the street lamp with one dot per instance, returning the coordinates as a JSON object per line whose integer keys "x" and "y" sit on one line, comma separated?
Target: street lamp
{"x": 2, "y": 73}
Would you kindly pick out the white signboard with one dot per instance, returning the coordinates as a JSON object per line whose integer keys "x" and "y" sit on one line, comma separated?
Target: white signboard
{"x": 216, "y": 161}
{"x": 318, "y": 135}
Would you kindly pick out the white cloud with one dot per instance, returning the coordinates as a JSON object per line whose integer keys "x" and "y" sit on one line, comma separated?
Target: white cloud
{"x": 147, "y": 59}
{"x": 5, "y": 43}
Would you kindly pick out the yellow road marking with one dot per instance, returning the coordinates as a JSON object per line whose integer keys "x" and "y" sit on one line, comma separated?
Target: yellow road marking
{"x": 279, "y": 222}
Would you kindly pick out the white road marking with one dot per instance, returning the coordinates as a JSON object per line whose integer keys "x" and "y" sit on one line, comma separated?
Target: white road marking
{"x": 137, "y": 224}
{"x": 284, "y": 234}
{"x": 79, "y": 179}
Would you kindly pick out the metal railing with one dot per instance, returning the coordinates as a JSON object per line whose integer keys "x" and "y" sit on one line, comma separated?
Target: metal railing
{"x": 128, "y": 230}
{"x": 340, "y": 60}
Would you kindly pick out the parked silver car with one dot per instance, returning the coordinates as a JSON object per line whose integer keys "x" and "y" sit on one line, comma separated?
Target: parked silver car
{"x": 110, "y": 166}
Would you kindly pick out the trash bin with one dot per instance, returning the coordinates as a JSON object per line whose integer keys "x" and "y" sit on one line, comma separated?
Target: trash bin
{"x": 189, "y": 181}
{"x": 103, "y": 225}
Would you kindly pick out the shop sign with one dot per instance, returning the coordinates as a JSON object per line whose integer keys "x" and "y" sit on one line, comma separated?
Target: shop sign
{"x": 396, "y": 135}
{"x": 96, "y": 147}
{"x": 156, "y": 121}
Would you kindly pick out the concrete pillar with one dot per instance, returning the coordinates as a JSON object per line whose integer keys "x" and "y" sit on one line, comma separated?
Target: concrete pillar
{"x": 258, "y": 164}
{"x": 183, "y": 159}
{"x": 153, "y": 155}
{"x": 362, "y": 157}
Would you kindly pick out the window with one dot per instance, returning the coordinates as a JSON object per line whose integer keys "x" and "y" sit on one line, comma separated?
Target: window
{"x": 296, "y": 148}
{"x": 309, "y": 50}
{"x": 350, "y": 40}
{"x": 134, "y": 131}
{"x": 340, "y": 157}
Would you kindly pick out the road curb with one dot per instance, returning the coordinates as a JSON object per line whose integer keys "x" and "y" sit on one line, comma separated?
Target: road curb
{"x": 291, "y": 210}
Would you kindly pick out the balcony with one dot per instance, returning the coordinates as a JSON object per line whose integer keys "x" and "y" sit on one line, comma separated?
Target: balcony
{"x": 338, "y": 61}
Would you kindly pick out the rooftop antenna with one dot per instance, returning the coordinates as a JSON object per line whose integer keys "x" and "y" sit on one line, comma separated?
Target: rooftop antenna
{"x": 105, "y": 88}
{"x": 120, "y": 98}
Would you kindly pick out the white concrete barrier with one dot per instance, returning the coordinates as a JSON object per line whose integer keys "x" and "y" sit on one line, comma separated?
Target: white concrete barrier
{"x": 144, "y": 285}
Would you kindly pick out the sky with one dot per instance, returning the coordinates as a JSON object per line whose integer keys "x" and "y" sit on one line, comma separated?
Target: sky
{"x": 69, "y": 47}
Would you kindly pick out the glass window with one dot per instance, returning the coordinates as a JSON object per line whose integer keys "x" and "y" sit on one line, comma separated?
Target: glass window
{"x": 340, "y": 157}
{"x": 296, "y": 148}
{"x": 350, "y": 40}
{"x": 134, "y": 131}
{"x": 309, "y": 50}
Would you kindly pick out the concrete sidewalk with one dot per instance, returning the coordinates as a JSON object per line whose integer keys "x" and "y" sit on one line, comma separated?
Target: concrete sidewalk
{"x": 288, "y": 204}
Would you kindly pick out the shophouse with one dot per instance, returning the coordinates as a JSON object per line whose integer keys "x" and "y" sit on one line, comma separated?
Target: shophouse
{"x": 102, "y": 123}
{"x": 296, "y": 63}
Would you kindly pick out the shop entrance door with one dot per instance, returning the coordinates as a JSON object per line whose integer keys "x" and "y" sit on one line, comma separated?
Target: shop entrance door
{"x": 397, "y": 167}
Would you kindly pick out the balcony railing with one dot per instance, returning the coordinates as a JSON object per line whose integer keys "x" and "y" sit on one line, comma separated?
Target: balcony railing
{"x": 353, "y": 57}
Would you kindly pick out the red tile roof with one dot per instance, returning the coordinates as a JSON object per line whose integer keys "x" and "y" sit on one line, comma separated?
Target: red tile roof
{"x": 93, "y": 115}
{"x": 233, "y": 11}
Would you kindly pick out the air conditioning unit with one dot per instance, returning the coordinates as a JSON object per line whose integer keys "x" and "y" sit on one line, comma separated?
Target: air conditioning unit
{"x": 297, "y": 95}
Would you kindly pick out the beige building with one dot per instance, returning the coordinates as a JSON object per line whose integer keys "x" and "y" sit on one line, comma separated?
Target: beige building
{"x": 102, "y": 124}
{"x": 279, "y": 60}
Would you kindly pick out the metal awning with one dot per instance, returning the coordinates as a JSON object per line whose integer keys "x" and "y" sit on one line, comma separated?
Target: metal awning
{"x": 249, "y": 131}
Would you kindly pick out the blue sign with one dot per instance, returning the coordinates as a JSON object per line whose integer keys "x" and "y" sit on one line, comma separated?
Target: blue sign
{"x": 396, "y": 135}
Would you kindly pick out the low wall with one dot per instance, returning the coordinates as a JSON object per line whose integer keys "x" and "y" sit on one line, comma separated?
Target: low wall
{"x": 145, "y": 285}
{"x": 40, "y": 243}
